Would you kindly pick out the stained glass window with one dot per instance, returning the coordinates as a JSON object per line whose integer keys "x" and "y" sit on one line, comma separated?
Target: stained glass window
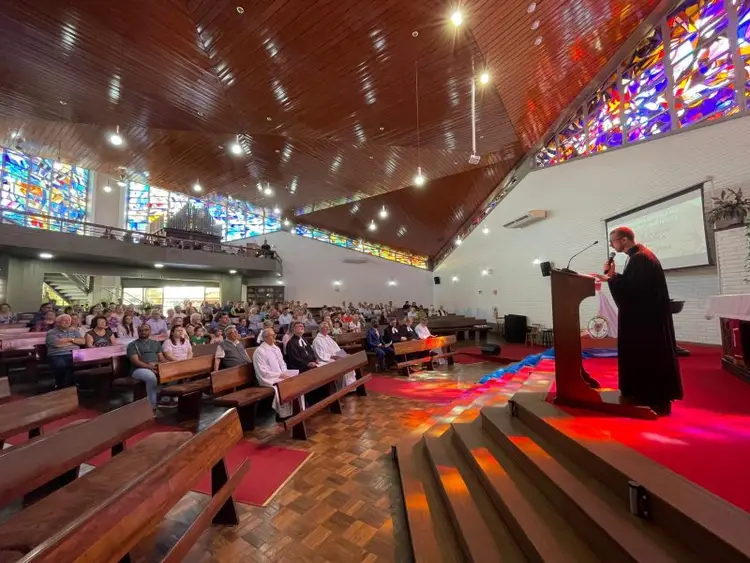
{"x": 603, "y": 117}
{"x": 548, "y": 155}
{"x": 137, "y": 211}
{"x": 744, "y": 41}
{"x": 644, "y": 83}
{"x": 271, "y": 223}
{"x": 701, "y": 62}
{"x": 572, "y": 138}
{"x": 43, "y": 187}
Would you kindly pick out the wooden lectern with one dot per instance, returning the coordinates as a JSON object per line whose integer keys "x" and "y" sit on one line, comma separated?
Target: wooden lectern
{"x": 568, "y": 290}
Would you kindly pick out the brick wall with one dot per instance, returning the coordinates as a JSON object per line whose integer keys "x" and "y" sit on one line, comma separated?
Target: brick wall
{"x": 579, "y": 195}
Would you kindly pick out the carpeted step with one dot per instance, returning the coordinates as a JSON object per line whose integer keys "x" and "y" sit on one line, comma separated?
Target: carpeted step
{"x": 482, "y": 534}
{"x": 540, "y": 530}
{"x": 707, "y": 527}
{"x": 430, "y": 529}
{"x": 612, "y": 531}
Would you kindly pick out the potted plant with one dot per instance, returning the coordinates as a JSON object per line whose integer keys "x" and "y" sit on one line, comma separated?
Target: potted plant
{"x": 730, "y": 209}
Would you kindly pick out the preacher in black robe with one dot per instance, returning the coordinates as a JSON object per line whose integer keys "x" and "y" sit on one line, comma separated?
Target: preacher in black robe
{"x": 649, "y": 372}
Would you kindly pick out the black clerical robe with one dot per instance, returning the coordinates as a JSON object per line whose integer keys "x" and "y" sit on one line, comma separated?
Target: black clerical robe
{"x": 392, "y": 334}
{"x": 410, "y": 333}
{"x": 647, "y": 359}
{"x": 299, "y": 353}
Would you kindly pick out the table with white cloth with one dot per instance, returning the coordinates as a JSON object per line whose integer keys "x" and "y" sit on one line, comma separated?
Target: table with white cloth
{"x": 733, "y": 312}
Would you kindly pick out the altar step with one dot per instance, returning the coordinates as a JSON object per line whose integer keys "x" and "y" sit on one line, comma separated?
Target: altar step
{"x": 524, "y": 488}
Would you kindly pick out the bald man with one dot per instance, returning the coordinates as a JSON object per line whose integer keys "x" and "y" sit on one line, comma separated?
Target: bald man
{"x": 648, "y": 370}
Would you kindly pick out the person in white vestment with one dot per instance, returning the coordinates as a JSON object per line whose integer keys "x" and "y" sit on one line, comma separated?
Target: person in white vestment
{"x": 270, "y": 368}
{"x": 327, "y": 350}
{"x": 422, "y": 331}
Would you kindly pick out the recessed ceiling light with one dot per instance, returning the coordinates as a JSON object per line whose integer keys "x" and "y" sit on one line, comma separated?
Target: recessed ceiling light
{"x": 456, "y": 18}
{"x": 382, "y": 128}
{"x": 531, "y": 7}
{"x": 372, "y": 226}
{"x": 419, "y": 179}
{"x": 240, "y": 10}
{"x": 536, "y": 261}
{"x": 107, "y": 188}
{"x": 197, "y": 187}
{"x": 63, "y": 103}
{"x": 158, "y": 266}
{"x": 268, "y": 191}
{"x": 371, "y": 157}
{"x": 276, "y": 210}
{"x": 45, "y": 256}
{"x": 458, "y": 241}
{"x": 535, "y": 25}
{"x": 232, "y": 271}
{"x": 455, "y": 279}
{"x": 486, "y": 231}
{"x": 115, "y": 139}
{"x": 485, "y": 273}
{"x": 383, "y": 213}
{"x": 392, "y": 283}
{"x": 235, "y": 148}
{"x": 538, "y": 41}
{"x": 484, "y": 78}
{"x": 337, "y": 283}
{"x": 268, "y": 118}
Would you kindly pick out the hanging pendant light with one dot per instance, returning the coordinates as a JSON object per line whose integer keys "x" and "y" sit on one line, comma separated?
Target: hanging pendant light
{"x": 419, "y": 179}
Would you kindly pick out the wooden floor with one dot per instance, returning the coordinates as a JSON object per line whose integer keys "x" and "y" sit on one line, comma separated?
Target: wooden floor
{"x": 344, "y": 503}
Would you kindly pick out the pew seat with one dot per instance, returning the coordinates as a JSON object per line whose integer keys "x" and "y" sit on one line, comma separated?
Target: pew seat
{"x": 29, "y": 415}
{"x": 402, "y": 349}
{"x": 187, "y": 380}
{"x": 243, "y": 392}
{"x": 104, "y": 514}
{"x": 326, "y": 376}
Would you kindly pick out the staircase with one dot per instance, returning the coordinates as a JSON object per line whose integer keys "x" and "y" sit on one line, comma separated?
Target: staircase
{"x": 522, "y": 482}
{"x": 74, "y": 288}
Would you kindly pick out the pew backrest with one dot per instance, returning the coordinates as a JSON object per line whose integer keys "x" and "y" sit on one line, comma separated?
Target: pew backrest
{"x": 4, "y": 389}
{"x": 231, "y": 378}
{"x": 205, "y": 349}
{"x": 411, "y": 346}
{"x": 349, "y": 337}
{"x": 28, "y": 466}
{"x": 185, "y": 369}
{"x": 17, "y": 417}
{"x": 294, "y": 387}
{"x": 86, "y": 355}
{"x": 109, "y": 531}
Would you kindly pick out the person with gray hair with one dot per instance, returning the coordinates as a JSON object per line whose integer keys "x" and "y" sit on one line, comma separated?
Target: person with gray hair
{"x": 270, "y": 368}
{"x": 231, "y": 351}
{"x": 61, "y": 341}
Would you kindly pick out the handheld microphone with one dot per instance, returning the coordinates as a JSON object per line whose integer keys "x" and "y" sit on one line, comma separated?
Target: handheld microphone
{"x": 610, "y": 261}
{"x": 580, "y": 252}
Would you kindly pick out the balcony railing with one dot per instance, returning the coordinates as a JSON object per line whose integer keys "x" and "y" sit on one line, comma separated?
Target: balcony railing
{"x": 57, "y": 224}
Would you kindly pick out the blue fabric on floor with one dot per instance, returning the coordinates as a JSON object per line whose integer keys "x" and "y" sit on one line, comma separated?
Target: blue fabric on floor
{"x": 534, "y": 359}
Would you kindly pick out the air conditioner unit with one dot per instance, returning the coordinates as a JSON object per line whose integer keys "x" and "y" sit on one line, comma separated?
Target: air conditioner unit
{"x": 526, "y": 219}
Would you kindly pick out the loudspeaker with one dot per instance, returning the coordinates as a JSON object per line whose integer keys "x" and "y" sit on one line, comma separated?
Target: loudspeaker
{"x": 546, "y": 268}
{"x": 490, "y": 349}
{"x": 436, "y": 279}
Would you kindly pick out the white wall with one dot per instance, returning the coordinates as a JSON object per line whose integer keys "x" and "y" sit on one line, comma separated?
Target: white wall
{"x": 107, "y": 208}
{"x": 311, "y": 267}
{"x": 579, "y": 195}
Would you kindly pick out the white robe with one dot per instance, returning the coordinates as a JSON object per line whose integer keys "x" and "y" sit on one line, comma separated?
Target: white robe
{"x": 269, "y": 369}
{"x": 325, "y": 347}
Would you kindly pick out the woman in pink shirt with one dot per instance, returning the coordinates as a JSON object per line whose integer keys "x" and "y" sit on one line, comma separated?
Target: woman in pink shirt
{"x": 177, "y": 346}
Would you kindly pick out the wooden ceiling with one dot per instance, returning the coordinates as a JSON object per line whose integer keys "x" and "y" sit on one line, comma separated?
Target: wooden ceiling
{"x": 322, "y": 92}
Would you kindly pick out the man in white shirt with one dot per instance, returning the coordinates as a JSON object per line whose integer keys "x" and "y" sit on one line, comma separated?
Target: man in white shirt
{"x": 270, "y": 368}
{"x": 327, "y": 350}
{"x": 422, "y": 331}
{"x": 157, "y": 324}
{"x": 285, "y": 319}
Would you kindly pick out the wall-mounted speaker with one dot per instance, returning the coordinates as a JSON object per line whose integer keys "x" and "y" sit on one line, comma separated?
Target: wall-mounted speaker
{"x": 546, "y": 268}
{"x": 436, "y": 279}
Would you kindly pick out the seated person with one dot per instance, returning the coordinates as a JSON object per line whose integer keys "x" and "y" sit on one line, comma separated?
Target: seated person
{"x": 127, "y": 328}
{"x": 100, "y": 334}
{"x": 199, "y": 336}
{"x": 243, "y": 328}
{"x": 327, "y": 350}
{"x": 374, "y": 343}
{"x": 220, "y": 323}
{"x": 177, "y": 347}
{"x": 39, "y": 316}
{"x": 45, "y": 323}
{"x": 231, "y": 351}
{"x": 422, "y": 331}
{"x": 337, "y": 327}
{"x": 156, "y": 324}
{"x": 61, "y": 340}
{"x": 266, "y": 324}
{"x": 299, "y": 354}
{"x": 270, "y": 369}
{"x": 6, "y": 315}
{"x": 408, "y": 329}
{"x": 287, "y": 336}
{"x": 285, "y": 319}
{"x": 144, "y": 355}
{"x": 218, "y": 336}
{"x": 354, "y": 325}
{"x": 392, "y": 333}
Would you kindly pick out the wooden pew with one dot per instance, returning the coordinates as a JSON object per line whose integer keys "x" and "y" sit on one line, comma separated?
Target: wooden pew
{"x": 291, "y": 389}
{"x": 190, "y": 379}
{"x": 350, "y": 341}
{"x": 102, "y": 515}
{"x": 29, "y": 415}
{"x": 244, "y": 392}
{"x": 413, "y": 346}
{"x": 459, "y": 325}
{"x": 53, "y": 460}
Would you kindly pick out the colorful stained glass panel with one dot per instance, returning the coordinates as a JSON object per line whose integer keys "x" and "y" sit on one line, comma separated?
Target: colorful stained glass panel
{"x": 547, "y": 156}
{"x": 743, "y": 33}
{"x": 572, "y": 138}
{"x": 603, "y": 119}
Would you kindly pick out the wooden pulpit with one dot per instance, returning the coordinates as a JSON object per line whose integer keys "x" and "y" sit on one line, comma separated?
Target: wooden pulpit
{"x": 568, "y": 290}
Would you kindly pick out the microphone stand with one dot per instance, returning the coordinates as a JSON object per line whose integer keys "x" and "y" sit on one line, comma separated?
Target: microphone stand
{"x": 567, "y": 268}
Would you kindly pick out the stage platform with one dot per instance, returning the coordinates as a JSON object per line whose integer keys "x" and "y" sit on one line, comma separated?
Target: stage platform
{"x": 503, "y": 480}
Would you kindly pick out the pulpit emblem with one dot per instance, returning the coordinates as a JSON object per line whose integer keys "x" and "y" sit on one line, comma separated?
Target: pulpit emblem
{"x": 598, "y": 327}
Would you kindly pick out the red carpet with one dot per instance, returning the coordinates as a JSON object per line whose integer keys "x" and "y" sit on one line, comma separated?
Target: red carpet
{"x": 433, "y": 391}
{"x": 270, "y": 467}
{"x": 466, "y": 359}
{"x": 707, "y": 437}
{"x": 509, "y": 353}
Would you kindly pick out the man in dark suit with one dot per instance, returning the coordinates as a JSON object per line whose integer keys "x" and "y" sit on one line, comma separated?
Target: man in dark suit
{"x": 392, "y": 333}
{"x": 408, "y": 329}
{"x": 374, "y": 343}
